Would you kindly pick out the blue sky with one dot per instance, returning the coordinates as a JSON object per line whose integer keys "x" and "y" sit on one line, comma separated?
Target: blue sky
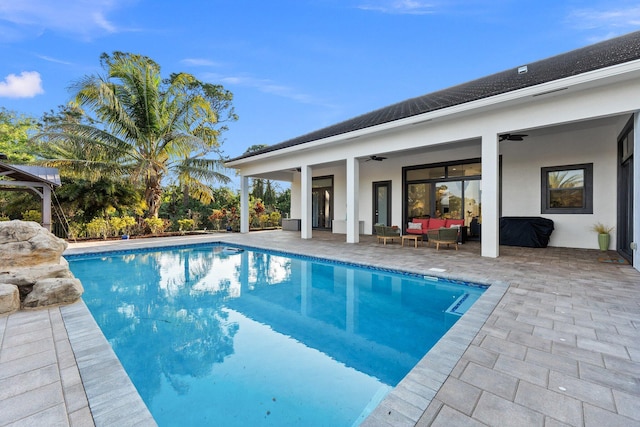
{"x": 293, "y": 65}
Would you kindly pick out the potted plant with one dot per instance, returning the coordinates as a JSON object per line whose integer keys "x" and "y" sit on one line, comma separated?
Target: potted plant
{"x": 603, "y": 235}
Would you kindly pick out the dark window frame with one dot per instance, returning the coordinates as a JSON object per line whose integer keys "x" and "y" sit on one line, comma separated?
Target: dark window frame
{"x": 545, "y": 198}
{"x": 445, "y": 178}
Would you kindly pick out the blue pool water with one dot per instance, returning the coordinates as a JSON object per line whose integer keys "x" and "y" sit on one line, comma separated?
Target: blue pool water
{"x": 214, "y": 337}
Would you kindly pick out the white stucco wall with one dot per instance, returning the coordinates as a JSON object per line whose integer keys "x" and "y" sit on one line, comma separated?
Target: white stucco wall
{"x": 521, "y": 192}
{"x": 296, "y": 203}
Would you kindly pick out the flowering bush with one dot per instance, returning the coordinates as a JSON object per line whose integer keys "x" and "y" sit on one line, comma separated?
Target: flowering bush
{"x": 122, "y": 224}
{"x": 217, "y": 216}
{"x": 275, "y": 218}
{"x": 98, "y": 227}
{"x": 156, "y": 225}
{"x": 186, "y": 224}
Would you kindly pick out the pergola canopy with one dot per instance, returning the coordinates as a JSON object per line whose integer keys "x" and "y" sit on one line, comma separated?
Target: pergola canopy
{"x": 40, "y": 180}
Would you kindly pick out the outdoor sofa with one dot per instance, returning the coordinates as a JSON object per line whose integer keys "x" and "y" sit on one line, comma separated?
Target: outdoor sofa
{"x": 423, "y": 225}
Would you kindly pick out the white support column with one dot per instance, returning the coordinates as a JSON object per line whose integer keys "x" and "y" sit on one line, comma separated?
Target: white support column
{"x": 244, "y": 204}
{"x": 490, "y": 246}
{"x": 305, "y": 191}
{"x": 351, "y": 302}
{"x": 353, "y": 202}
{"x": 244, "y": 273}
{"x": 636, "y": 191}
{"x": 305, "y": 288}
{"x": 46, "y": 207}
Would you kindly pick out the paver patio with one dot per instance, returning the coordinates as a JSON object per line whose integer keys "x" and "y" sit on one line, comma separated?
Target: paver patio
{"x": 554, "y": 342}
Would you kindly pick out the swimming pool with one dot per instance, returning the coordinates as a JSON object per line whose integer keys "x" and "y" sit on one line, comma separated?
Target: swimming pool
{"x": 216, "y": 336}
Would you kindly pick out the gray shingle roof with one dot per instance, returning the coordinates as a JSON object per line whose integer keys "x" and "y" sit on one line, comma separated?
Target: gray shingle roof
{"x": 601, "y": 55}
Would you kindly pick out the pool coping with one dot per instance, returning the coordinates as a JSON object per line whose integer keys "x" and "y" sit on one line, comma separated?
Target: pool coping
{"x": 406, "y": 402}
{"x": 403, "y": 405}
{"x": 112, "y": 397}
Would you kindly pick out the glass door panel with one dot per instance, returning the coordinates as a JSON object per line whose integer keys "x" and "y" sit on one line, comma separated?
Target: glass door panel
{"x": 382, "y": 203}
{"x": 327, "y": 216}
{"x": 472, "y": 206}
{"x": 419, "y": 200}
{"x": 448, "y": 198}
{"x": 321, "y": 215}
{"x": 315, "y": 220}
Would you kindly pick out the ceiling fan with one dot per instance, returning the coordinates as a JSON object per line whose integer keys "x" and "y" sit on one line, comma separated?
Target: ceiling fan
{"x": 376, "y": 158}
{"x": 512, "y": 137}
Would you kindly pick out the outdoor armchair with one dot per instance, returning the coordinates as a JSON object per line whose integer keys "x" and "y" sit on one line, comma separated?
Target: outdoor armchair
{"x": 384, "y": 233}
{"x": 448, "y": 236}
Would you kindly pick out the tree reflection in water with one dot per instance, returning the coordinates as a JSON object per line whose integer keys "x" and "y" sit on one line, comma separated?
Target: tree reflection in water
{"x": 162, "y": 295}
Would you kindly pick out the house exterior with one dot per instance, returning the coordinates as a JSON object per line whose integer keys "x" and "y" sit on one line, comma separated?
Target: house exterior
{"x": 552, "y": 139}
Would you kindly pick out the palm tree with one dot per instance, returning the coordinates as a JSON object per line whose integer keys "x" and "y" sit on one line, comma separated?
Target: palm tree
{"x": 143, "y": 128}
{"x": 565, "y": 179}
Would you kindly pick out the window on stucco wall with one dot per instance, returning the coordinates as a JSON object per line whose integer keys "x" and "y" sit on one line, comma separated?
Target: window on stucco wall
{"x": 567, "y": 189}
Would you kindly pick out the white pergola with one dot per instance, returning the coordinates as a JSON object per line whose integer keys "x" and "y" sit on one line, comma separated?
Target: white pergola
{"x": 38, "y": 179}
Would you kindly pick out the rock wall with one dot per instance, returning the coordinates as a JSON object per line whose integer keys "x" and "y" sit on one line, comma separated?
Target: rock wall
{"x": 33, "y": 273}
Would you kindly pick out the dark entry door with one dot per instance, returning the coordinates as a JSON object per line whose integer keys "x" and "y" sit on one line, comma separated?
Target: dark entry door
{"x": 625, "y": 193}
{"x": 382, "y": 202}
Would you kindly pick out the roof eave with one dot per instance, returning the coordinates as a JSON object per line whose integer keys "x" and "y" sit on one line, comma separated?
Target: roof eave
{"x": 604, "y": 75}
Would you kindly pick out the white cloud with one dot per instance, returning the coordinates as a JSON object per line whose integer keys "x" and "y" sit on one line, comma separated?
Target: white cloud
{"x": 54, "y": 60}
{"x": 27, "y": 85}
{"x": 399, "y": 7}
{"x": 268, "y": 86}
{"x": 265, "y": 86}
{"x": 200, "y": 62}
{"x": 80, "y": 17}
{"x": 614, "y": 20}
{"x": 102, "y": 22}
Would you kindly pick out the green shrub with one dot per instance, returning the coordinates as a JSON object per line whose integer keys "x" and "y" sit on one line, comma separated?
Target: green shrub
{"x": 77, "y": 230}
{"x": 32, "y": 215}
{"x": 186, "y": 224}
{"x": 98, "y": 227}
{"x": 156, "y": 225}
{"x": 121, "y": 225}
{"x": 264, "y": 220}
{"x": 275, "y": 218}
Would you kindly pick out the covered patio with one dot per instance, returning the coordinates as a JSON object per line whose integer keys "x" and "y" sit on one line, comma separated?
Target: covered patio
{"x": 514, "y": 132}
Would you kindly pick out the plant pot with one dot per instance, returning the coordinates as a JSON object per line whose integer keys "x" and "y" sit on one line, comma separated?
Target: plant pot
{"x": 603, "y": 241}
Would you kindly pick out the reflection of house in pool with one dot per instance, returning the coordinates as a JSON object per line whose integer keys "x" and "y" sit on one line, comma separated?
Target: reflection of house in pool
{"x": 498, "y": 145}
{"x": 345, "y": 314}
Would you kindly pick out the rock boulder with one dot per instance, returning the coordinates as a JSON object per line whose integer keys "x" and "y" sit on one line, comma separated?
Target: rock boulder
{"x": 55, "y": 291}
{"x": 26, "y": 243}
{"x": 9, "y": 298}
{"x": 32, "y": 269}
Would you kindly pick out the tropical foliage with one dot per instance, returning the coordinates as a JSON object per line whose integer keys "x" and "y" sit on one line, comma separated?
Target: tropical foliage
{"x": 142, "y": 127}
{"x": 15, "y": 131}
{"x": 126, "y": 130}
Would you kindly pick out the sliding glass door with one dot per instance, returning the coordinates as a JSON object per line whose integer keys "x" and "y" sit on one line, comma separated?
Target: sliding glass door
{"x": 446, "y": 190}
{"x": 322, "y": 202}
